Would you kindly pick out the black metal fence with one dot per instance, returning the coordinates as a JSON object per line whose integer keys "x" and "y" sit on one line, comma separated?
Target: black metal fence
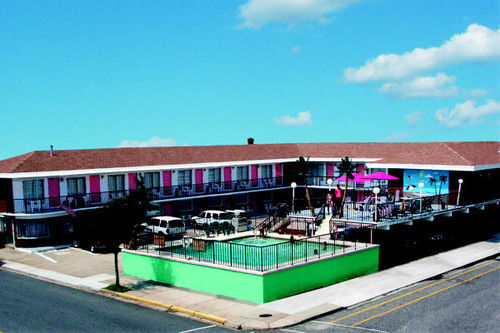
{"x": 248, "y": 256}
{"x": 407, "y": 207}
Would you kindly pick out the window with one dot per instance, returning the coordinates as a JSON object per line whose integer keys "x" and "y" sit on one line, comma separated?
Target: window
{"x": 184, "y": 177}
{"x": 186, "y": 205}
{"x": 152, "y": 180}
{"x": 242, "y": 173}
{"x": 214, "y": 175}
{"x": 76, "y": 186}
{"x": 33, "y": 189}
{"x": 241, "y": 199}
{"x": 266, "y": 171}
{"x": 32, "y": 229}
{"x": 116, "y": 183}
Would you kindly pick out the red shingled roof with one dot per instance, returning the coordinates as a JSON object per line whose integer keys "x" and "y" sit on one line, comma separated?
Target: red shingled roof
{"x": 435, "y": 153}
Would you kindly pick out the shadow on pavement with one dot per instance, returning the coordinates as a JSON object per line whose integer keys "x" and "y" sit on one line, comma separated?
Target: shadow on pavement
{"x": 146, "y": 284}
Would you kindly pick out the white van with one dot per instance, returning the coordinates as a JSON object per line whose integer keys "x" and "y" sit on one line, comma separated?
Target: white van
{"x": 171, "y": 227}
{"x": 209, "y": 216}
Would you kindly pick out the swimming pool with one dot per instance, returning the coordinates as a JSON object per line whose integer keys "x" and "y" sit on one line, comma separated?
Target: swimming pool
{"x": 259, "y": 254}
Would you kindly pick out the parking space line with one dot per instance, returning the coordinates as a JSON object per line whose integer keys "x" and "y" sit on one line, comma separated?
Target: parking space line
{"x": 197, "y": 329}
{"x": 411, "y": 292}
{"x": 348, "y": 326}
{"x": 81, "y": 250}
{"x": 289, "y": 330}
{"x": 426, "y": 296}
{"x": 45, "y": 257}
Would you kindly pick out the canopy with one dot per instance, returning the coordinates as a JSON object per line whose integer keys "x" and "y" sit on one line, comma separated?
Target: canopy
{"x": 357, "y": 178}
{"x": 380, "y": 175}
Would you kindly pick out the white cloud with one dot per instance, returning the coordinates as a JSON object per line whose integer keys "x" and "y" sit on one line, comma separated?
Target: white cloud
{"x": 154, "y": 142}
{"x": 424, "y": 86}
{"x": 413, "y": 118}
{"x": 476, "y": 92}
{"x": 467, "y": 113}
{"x": 477, "y": 43}
{"x": 257, "y": 13}
{"x": 303, "y": 119}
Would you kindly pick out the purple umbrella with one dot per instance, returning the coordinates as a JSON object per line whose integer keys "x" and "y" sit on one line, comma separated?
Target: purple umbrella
{"x": 381, "y": 176}
{"x": 357, "y": 178}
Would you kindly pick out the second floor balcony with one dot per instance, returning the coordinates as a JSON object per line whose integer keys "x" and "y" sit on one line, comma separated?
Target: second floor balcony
{"x": 98, "y": 199}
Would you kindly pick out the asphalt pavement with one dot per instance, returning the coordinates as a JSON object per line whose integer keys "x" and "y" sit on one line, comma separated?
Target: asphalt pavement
{"x": 81, "y": 269}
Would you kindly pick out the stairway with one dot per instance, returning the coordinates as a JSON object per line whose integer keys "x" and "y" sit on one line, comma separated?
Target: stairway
{"x": 324, "y": 227}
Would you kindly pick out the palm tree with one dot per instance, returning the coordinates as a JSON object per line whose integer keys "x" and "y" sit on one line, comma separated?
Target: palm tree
{"x": 442, "y": 180}
{"x": 346, "y": 168}
{"x": 433, "y": 181}
{"x": 304, "y": 168}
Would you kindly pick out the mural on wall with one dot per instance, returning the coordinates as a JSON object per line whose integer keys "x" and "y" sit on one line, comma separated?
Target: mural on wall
{"x": 435, "y": 181}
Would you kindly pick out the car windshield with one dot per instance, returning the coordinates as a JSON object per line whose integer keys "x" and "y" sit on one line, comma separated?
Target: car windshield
{"x": 153, "y": 223}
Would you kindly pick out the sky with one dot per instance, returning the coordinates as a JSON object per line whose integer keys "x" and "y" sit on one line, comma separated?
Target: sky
{"x": 103, "y": 74}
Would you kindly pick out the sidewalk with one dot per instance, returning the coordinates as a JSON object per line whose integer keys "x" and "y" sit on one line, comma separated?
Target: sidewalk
{"x": 85, "y": 270}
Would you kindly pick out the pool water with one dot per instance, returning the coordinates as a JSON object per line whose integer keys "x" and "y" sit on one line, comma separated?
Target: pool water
{"x": 257, "y": 241}
{"x": 259, "y": 254}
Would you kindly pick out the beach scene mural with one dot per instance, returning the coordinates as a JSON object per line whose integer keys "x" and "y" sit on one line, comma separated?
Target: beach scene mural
{"x": 435, "y": 181}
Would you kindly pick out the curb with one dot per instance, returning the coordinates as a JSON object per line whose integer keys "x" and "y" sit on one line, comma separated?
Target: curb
{"x": 175, "y": 308}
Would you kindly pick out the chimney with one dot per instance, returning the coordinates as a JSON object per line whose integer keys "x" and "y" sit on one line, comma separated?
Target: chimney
{"x": 250, "y": 141}
{"x": 51, "y": 150}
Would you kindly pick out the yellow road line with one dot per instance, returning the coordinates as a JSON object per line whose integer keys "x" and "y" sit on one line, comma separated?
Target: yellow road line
{"x": 411, "y": 292}
{"x": 424, "y": 297}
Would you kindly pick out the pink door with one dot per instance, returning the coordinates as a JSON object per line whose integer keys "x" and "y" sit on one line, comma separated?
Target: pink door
{"x": 131, "y": 181}
{"x": 227, "y": 178}
{"x": 277, "y": 169}
{"x": 54, "y": 200}
{"x": 198, "y": 179}
{"x": 95, "y": 188}
{"x": 167, "y": 182}
{"x": 254, "y": 175}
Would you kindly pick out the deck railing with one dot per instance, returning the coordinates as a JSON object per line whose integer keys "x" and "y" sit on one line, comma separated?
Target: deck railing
{"x": 256, "y": 258}
{"x": 96, "y": 199}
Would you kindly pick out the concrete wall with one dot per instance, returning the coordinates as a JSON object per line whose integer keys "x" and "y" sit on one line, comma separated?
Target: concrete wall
{"x": 254, "y": 287}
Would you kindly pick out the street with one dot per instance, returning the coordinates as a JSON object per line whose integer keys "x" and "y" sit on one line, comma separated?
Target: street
{"x": 464, "y": 300}
{"x": 32, "y": 305}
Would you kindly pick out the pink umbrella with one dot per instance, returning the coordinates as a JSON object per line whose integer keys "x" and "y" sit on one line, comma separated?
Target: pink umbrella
{"x": 357, "y": 178}
{"x": 381, "y": 176}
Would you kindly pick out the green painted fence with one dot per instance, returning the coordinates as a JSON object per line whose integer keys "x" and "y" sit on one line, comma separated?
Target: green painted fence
{"x": 254, "y": 287}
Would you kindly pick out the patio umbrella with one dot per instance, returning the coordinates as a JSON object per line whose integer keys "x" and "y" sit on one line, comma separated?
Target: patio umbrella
{"x": 357, "y": 178}
{"x": 380, "y": 176}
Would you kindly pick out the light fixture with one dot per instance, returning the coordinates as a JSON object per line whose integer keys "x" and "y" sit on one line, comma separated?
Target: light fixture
{"x": 376, "y": 190}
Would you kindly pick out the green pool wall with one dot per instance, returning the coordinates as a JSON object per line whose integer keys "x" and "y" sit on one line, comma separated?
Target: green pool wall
{"x": 254, "y": 287}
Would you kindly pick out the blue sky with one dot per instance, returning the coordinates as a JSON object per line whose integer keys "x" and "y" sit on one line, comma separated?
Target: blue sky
{"x": 95, "y": 74}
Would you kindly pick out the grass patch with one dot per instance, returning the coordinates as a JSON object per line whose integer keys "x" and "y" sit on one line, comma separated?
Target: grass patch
{"x": 120, "y": 289}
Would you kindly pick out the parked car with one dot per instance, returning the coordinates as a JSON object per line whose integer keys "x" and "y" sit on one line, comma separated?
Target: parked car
{"x": 95, "y": 245}
{"x": 209, "y": 216}
{"x": 240, "y": 219}
{"x": 169, "y": 226}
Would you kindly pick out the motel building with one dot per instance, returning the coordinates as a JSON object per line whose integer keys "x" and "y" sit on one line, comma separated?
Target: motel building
{"x": 41, "y": 192}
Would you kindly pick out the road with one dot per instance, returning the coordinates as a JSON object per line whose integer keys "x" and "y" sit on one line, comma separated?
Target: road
{"x": 464, "y": 300}
{"x": 31, "y": 305}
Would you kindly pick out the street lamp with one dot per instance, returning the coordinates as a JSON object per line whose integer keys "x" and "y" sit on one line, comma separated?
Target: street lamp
{"x": 329, "y": 182}
{"x": 460, "y": 181}
{"x": 376, "y": 190}
{"x": 421, "y": 186}
{"x": 293, "y": 185}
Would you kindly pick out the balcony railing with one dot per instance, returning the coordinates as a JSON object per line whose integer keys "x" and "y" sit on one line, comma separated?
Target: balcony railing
{"x": 96, "y": 199}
